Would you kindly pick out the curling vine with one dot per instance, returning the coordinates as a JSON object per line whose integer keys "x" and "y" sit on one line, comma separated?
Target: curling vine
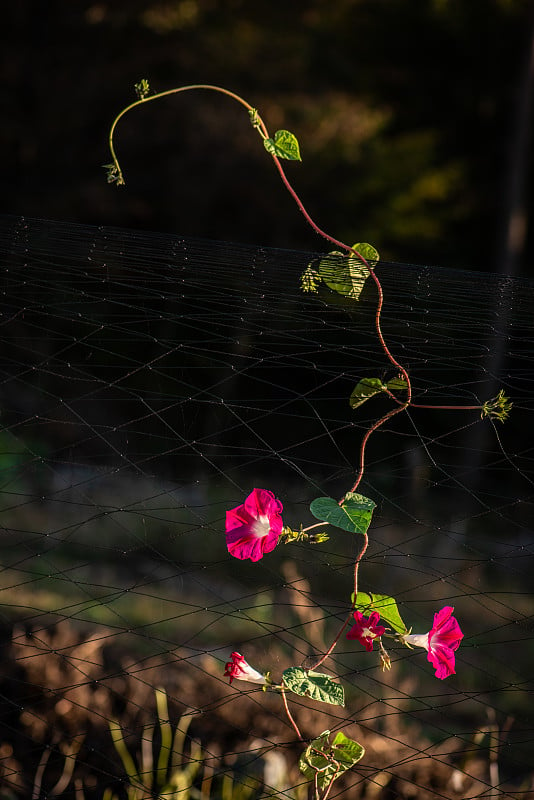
{"x": 255, "y": 528}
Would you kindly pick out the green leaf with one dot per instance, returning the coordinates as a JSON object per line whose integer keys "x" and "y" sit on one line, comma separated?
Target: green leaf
{"x": 317, "y": 685}
{"x": 343, "y": 275}
{"x": 142, "y": 88}
{"x": 397, "y": 384}
{"x": 353, "y": 515}
{"x": 283, "y": 145}
{"x": 385, "y": 605}
{"x": 368, "y": 387}
{"x": 347, "y": 751}
{"x": 347, "y": 275}
{"x": 309, "y": 280}
{"x": 365, "y": 389}
{"x": 329, "y": 760}
{"x": 366, "y": 251}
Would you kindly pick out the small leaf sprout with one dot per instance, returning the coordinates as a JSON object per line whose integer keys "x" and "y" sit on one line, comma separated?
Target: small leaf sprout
{"x": 142, "y": 88}
{"x": 498, "y": 407}
{"x": 114, "y": 174}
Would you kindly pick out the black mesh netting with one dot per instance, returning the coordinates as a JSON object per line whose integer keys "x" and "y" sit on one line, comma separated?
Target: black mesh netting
{"x": 148, "y": 383}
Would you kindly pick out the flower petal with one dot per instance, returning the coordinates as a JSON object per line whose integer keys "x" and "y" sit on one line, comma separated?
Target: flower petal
{"x": 446, "y": 628}
{"x": 374, "y": 618}
{"x": 237, "y": 517}
{"x": 263, "y": 503}
{"x": 443, "y": 640}
{"x": 240, "y": 669}
{"x": 366, "y": 630}
{"x": 443, "y": 660}
{"x": 254, "y": 527}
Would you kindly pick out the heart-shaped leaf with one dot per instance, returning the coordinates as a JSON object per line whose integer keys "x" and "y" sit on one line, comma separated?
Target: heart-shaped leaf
{"x": 347, "y": 275}
{"x": 316, "y": 685}
{"x": 284, "y": 144}
{"x": 328, "y": 760}
{"x": 353, "y": 515}
{"x": 385, "y": 605}
{"x": 343, "y": 275}
{"x": 346, "y": 751}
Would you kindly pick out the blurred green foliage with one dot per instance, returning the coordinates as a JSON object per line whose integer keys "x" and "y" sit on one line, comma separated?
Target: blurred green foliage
{"x": 403, "y": 110}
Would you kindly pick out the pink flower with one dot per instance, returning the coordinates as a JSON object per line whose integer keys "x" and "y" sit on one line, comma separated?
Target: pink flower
{"x": 441, "y": 642}
{"x": 238, "y": 668}
{"x": 366, "y": 629}
{"x": 253, "y": 528}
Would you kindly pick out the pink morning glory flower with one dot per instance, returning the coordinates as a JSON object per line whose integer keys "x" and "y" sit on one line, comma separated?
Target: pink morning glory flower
{"x": 366, "y": 629}
{"x": 238, "y": 668}
{"x": 440, "y": 642}
{"x": 253, "y": 528}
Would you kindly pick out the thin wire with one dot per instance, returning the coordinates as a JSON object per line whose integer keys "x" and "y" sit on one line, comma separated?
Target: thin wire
{"x": 133, "y": 442}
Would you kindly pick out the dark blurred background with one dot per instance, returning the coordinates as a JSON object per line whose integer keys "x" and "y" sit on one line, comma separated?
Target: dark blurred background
{"x": 142, "y": 383}
{"x": 413, "y": 119}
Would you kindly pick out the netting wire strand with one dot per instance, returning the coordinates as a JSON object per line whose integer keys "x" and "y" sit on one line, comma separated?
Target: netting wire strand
{"x": 148, "y": 382}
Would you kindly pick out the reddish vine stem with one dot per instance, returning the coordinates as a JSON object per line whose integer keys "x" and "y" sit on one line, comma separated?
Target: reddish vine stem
{"x": 366, "y": 438}
{"x": 262, "y": 129}
{"x": 307, "y": 217}
{"x": 378, "y": 326}
{"x": 329, "y": 787}
{"x": 289, "y": 715}
{"x": 446, "y": 408}
{"x": 433, "y": 406}
{"x": 405, "y": 375}
{"x": 385, "y": 348}
{"x": 349, "y": 617}
{"x": 357, "y": 566}
{"x": 334, "y": 643}
{"x": 178, "y": 90}
{"x": 401, "y": 407}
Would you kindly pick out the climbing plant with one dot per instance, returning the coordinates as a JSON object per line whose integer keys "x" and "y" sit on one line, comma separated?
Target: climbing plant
{"x": 255, "y": 527}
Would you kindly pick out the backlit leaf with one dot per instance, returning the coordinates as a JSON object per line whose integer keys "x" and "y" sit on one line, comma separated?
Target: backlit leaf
{"x": 366, "y": 251}
{"x": 329, "y": 760}
{"x": 365, "y": 389}
{"x": 347, "y": 275}
{"x": 397, "y": 384}
{"x": 284, "y": 144}
{"x": 310, "y": 279}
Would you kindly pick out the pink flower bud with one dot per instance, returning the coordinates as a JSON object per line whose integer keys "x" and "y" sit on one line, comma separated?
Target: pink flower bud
{"x": 238, "y": 668}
